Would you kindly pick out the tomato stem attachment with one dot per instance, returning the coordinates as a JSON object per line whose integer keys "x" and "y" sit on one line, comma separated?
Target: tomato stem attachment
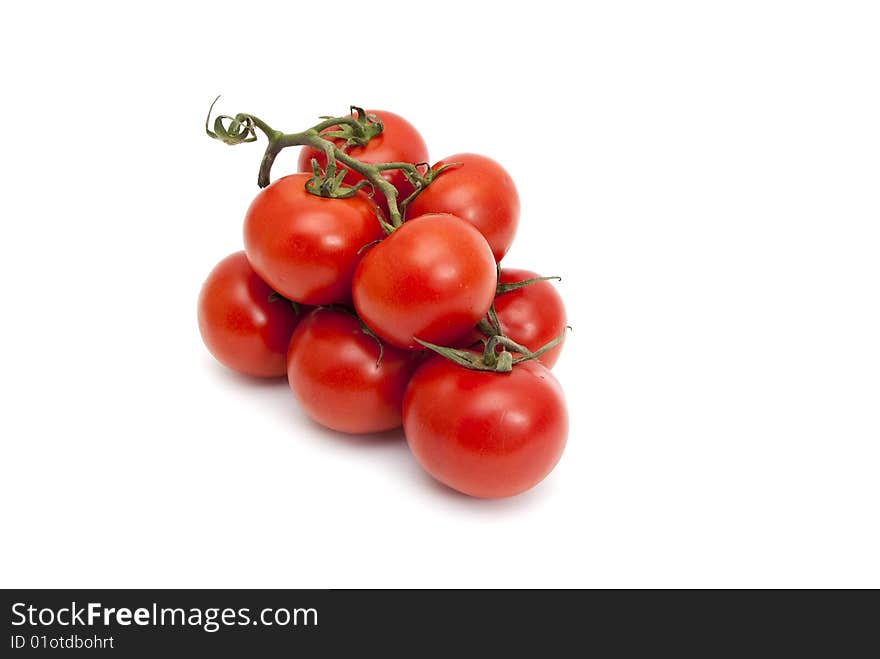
{"x": 490, "y": 326}
{"x": 277, "y": 297}
{"x": 501, "y": 289}
{"x": 491, "y": 359}
{"x": 356, "y": 129}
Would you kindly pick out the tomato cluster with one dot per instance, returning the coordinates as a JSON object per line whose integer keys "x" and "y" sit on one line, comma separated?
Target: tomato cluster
{"x": 377, "y": 322}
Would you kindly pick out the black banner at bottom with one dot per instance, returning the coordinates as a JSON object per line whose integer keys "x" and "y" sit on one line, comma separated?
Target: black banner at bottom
{"x": 256, "y": 623}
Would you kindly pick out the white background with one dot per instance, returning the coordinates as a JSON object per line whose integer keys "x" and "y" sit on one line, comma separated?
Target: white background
{"x": 703, "y": 175}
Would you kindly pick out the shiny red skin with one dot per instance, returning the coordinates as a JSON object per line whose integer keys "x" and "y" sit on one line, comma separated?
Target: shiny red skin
{"x": 485, "y": 434}
{"x": 305, "y": 246}
{"x": 432, "y": 278}
{"x": 481, "y": 192}
{"x": 239, "y": 325}
{"x": 533, "y": 315}
{"x": 399, "y": 141}
{"x": 332, "y": 371}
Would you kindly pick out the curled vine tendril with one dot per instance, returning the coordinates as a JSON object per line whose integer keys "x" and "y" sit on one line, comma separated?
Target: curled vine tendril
{"x": 333, "y": 136}
{"x": 239, "y": 131}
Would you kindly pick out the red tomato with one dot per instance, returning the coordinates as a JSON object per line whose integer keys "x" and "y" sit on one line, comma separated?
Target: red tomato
{"x": 432, "y": 278}
{"x": 399, "y": 141}
{"x": 331, "y": 367}
{"x": 482, "y": 433}
{"x": 532, "y": 315}
{"x": 305, "y": 246}
{"x": 239, "y": 325}
{"x": 481, "y": 192}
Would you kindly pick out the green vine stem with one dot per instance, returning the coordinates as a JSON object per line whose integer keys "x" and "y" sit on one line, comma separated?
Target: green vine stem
{"x": 356, "y": 129}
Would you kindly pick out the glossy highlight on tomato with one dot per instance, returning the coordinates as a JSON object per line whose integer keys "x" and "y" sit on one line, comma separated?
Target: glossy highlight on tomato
{"x": 485, "y": 434}
{"x": 433, "y": 279}
{"x": 478, "y": 190}
{"x": 335, "y": 373}
{"x": 304, "y": 246}
{"x": 240, "y": 326}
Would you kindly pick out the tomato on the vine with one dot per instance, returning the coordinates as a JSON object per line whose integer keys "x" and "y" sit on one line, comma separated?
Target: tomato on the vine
{"x": 433, "y": 279}
{"x": 242, "y": 324}
{"x": 399, "y": 141}
{"x": 482, "y": 433}
{"x": 533, "y": 315}
{"x": 489, "y": 424}
{"x": 305, "y": 246}
{"x": 478, "y": 190}
{"x": 336, "y": 374}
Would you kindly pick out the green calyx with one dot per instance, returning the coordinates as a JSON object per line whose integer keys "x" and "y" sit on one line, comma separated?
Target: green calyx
{"x": 490, "y": 326}
{"x": 491, "y": 358}
{"x": 501, "y": 289}
{"x": 333, "y": 137}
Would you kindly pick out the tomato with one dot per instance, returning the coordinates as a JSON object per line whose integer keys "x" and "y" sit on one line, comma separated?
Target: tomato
{"x": 532, "y": 315}
{"x": 432, "y": 278}
{"x": 239, "y": 325}
{"x": 305, "y": 246}
{"x": 333, "y": 372}
{"x": 482, "y": 433}
{"x": 399, "y": 141}
{"x": 478, "y": 191}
